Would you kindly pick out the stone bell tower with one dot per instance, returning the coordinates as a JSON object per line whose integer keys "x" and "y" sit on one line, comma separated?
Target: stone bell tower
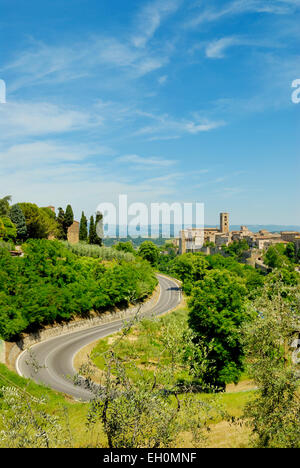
{"x": 224, "y": 222}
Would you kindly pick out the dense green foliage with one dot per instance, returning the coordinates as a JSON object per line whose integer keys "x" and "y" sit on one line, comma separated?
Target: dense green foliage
{"x": 272, "y": 346}
{"x": 8, "y": 230}
{"x": 150, "y": 252}
{"x": 125, "y": 247}
{"x": 281, "y": 256}
{"x": 236, "y": 248}
{"x": 40, "y": 222}
{"x": 50, "y": 283}
{"x": 4, "y": 205}
{"x": 218, "y": 288}
{"x": 217, "y": 312}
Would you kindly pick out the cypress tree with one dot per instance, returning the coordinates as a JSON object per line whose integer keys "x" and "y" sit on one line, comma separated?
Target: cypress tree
{"x": 83, "y": 231}
{"x": 69, "y": 218}
{"x": 92, "y": 233}
{"x": 61, "y": 224}
{"x": 17, "y": 217}
{"x": 98, "y": 229}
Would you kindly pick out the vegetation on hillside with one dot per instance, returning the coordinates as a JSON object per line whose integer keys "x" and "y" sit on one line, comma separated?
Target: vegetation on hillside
{"x": 50, "y": 283}
{"x": 154, "y": 374}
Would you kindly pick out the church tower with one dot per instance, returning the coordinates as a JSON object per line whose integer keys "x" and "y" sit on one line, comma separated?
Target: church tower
{"x": 224, "y": 222}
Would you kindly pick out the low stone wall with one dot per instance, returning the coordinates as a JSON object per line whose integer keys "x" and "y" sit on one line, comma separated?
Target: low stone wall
{"x": 77, "y": 325}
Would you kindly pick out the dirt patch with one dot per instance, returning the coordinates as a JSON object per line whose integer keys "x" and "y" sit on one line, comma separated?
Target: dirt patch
{"x": 243, "y": 386}
{"x": 227, "y": 435}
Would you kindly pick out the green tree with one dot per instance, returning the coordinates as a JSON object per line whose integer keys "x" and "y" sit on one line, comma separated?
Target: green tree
{"x": 48, "y": 219}
{"x": 10, "y": 230}
{"x": 18, "y": 218}
{"x": 68, "y": 219}
{"x": 272, "y": 347}
{"x": 2, "y": 229}
{"x": 275, "y": 257}
{"x": 98, "y": 238}
{"x": 236, "y": 248}
{"x": 40, "y": 222}
{"x": 290, "y": 252}
{"x": 83, "y": 230}
{"x": 61, "y": 224}
{"x": 217, "y": 312}
{"x": 190, "y": 267}
{"x": 4, "y": 205}
{"x": 125, "y": 247}
{"x": 92, "y": 231}
{"x": 149, "y": 251}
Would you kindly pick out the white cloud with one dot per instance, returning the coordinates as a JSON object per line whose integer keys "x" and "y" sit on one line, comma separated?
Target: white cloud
{"x": 167, "y": 128}
{"x": 149, "y": 19}
{"x": 44, "y": 64}
{"x": 143, "y": 161}
{"x": 162, "y": 79}
{"x": 41, "y": 118}
{"x": 239, "y": 7}
{"x": 205, "y": 126}
{"x": 34, "y": 155}
{"x": 217, "y": 48}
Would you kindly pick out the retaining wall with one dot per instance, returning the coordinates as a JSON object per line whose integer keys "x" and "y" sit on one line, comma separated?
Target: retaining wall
{"x": 77, "y": 325}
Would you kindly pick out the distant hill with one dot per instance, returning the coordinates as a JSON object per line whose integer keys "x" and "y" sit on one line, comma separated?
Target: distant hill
{"x": 174, "y": 229}
{"x": 268, "y": 227}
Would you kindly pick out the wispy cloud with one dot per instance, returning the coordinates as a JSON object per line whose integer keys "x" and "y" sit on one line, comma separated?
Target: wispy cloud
{"x": 166, "y": 127}
{"x": 41, "y": 118}
{"x": 217, "y": 48}
{"x": 239, "y": 7}
{"x": 150, "y": 18}
{"x": 137, "y": 160}
{"x": 40, "y": 154}
{"x": 162, "y": 79}
{"x": 45, "y": 64}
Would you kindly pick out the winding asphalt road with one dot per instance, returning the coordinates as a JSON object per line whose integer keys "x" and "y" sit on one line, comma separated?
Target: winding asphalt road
{"x": 55, "y": 355}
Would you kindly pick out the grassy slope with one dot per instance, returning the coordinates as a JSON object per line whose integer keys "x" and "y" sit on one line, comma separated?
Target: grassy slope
{"x": 142, "y": 346}
{"x": 56, "y": 404}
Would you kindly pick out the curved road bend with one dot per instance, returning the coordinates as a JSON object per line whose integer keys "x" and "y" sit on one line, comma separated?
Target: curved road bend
{"x": 55, "y": 355}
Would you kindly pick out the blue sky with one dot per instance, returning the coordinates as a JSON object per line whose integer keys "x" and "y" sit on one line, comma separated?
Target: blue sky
{"x": 163, "y": 100}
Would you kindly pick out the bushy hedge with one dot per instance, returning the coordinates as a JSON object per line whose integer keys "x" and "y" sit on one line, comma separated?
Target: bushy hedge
{"x": 50, "y": 283}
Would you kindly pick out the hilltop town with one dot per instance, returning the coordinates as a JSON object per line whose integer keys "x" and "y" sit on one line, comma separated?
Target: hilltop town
{"x": 213, "y": 240}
